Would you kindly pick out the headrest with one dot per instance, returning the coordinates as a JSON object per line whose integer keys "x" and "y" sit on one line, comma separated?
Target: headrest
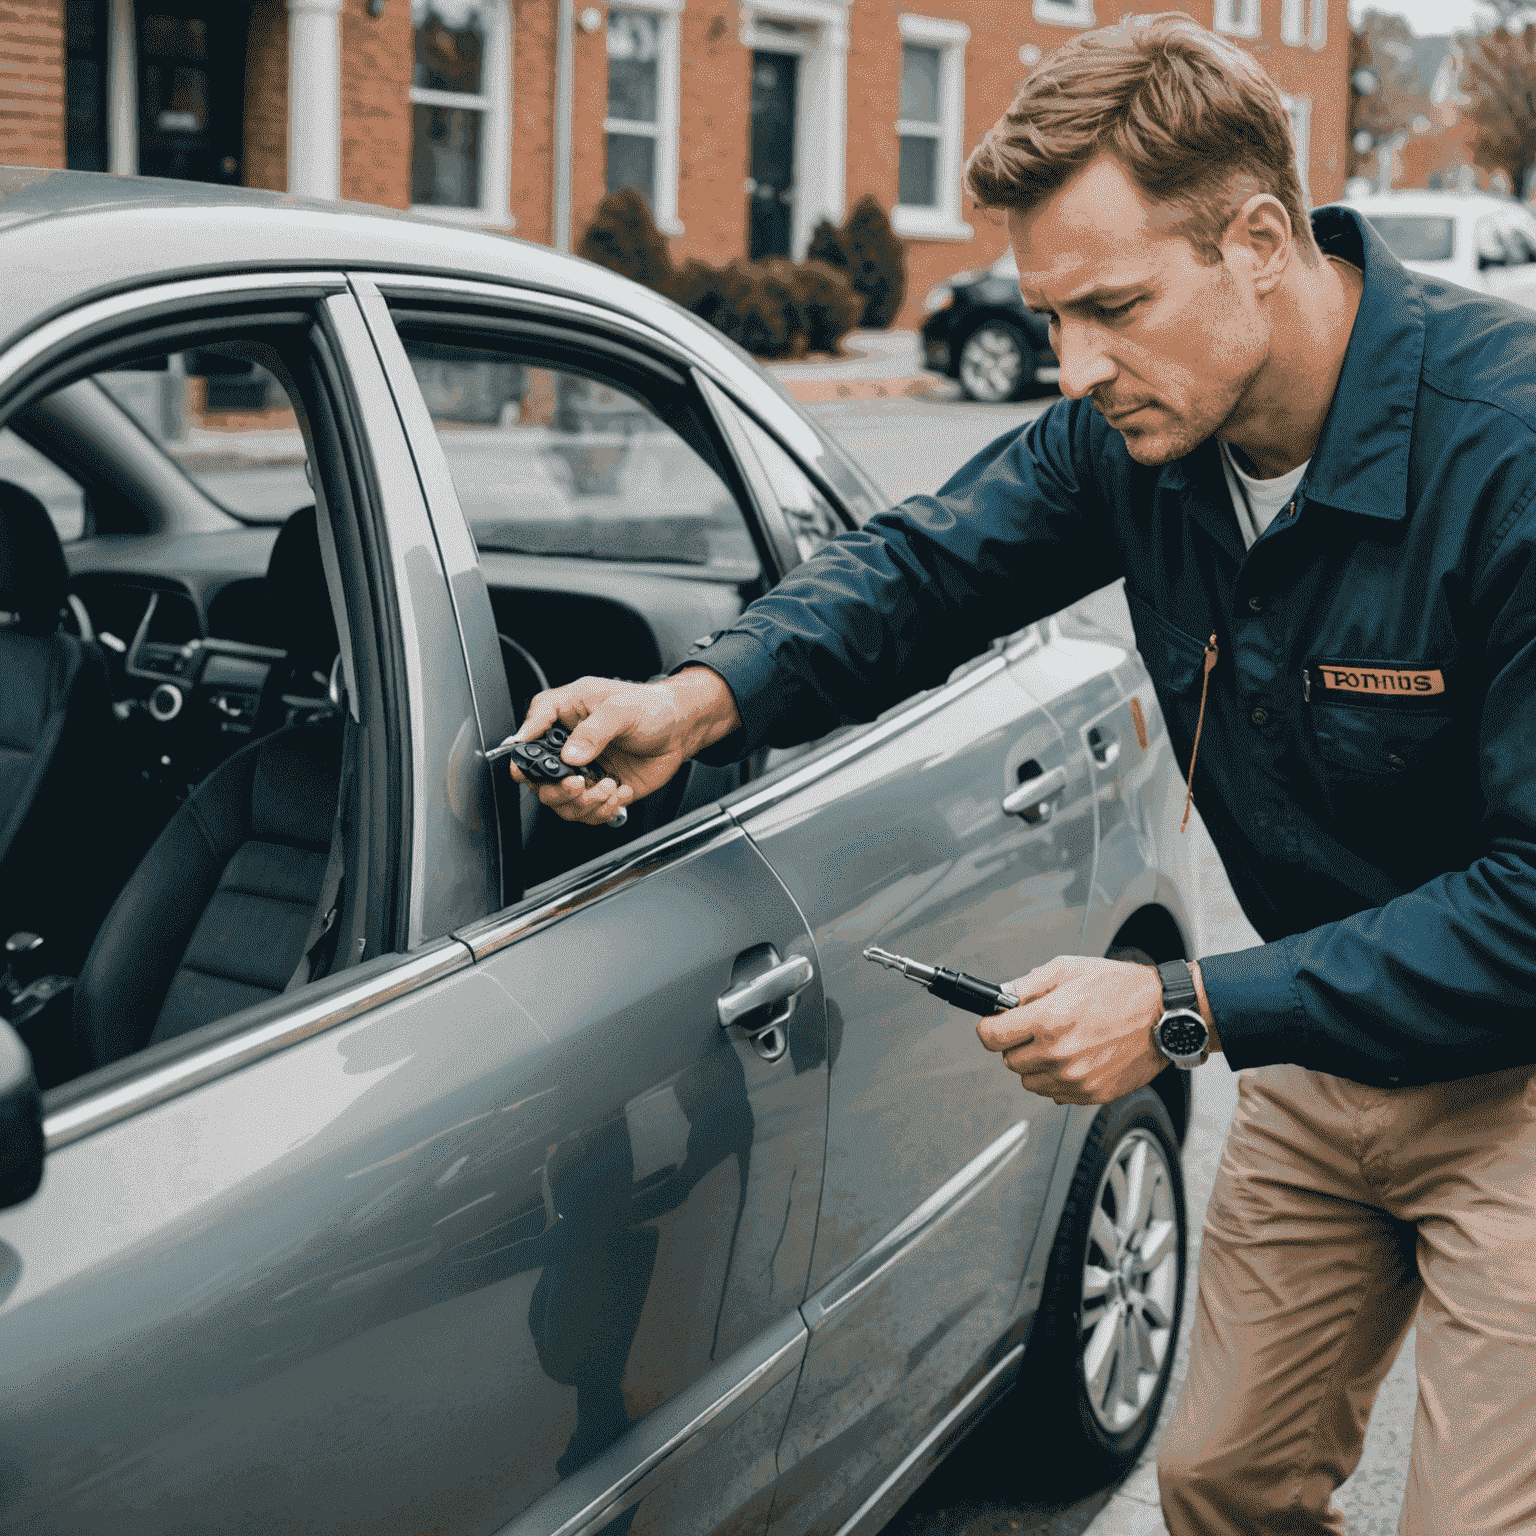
{"x": 34, "y": 581}
{"x": 301, "y": 600}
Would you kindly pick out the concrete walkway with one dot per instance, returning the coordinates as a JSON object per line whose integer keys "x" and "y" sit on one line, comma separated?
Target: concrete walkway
{"x": 877, "y": 365}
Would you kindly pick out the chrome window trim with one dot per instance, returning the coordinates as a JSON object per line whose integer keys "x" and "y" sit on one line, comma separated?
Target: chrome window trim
{"x": 224, "y": 1056}
{"x": 536, "y": 300}
{"x": 120, "y": 306}
{"x": 615, "y": 1496}
{"x": 493, "y": 934}
{"x": 947, "y": 1200}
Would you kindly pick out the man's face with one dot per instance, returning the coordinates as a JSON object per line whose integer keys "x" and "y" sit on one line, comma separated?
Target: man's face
{"x": 1164, "y": 345}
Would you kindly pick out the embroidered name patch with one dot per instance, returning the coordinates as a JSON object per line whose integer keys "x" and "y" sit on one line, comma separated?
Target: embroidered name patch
{"x": 1385, "y": 681}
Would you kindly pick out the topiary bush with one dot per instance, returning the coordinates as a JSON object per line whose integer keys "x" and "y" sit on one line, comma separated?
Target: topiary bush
{"x": 623, "y": 237}
{"x": 772, "y": 308}
{"x": 871, "y": 254}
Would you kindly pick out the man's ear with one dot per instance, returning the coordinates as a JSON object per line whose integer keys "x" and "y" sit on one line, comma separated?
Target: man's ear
{"x": 1259, "y": 239}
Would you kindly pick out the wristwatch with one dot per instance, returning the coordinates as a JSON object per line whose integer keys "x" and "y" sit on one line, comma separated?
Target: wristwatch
{"x": 1181, "y": 1034}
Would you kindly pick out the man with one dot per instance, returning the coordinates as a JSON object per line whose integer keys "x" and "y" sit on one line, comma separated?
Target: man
{"x": 1315, "y": 473}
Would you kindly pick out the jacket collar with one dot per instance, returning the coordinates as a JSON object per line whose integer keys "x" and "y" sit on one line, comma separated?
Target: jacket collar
{"x": 1360, "y": 463}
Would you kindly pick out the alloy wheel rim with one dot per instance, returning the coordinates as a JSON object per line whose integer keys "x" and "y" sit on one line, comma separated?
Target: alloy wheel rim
{"x": 991, "y": 363}
{"x": 1130, "y": 1283}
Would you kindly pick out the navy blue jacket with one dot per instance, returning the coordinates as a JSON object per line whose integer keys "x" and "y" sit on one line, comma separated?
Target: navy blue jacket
{"x": 1368, "y": 763}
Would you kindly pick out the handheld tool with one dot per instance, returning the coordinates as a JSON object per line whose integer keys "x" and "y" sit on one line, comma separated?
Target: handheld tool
{"x": 955, "y": 987}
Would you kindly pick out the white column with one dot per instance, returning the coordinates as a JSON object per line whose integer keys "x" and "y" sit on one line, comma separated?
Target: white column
{"x": 314, "y": 97}
{"x": 122, "y": 91}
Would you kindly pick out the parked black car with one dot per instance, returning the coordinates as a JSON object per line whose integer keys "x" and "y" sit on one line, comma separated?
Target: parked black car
{"x": 979, "y": 331}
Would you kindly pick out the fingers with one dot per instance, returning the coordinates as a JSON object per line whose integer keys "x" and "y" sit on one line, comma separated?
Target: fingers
{"x": 609, "y": 720}
{"x": 575, "y": 799}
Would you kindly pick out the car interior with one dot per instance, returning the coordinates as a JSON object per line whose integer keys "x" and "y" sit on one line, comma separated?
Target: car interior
{"x": 182, "y": 816}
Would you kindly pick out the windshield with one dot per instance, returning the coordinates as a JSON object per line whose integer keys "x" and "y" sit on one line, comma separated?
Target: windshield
{"x": 1416, "y": 236}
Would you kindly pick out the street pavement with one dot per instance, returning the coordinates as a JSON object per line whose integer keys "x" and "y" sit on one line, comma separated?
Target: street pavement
{"x": 910, "y": 435}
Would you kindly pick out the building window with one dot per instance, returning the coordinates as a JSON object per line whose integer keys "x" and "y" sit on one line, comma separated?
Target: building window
{"x": 1319, "y": 38}
{"x": 929, "y": 129}
{"x": 1295, "y": 27}
{"x": 461, "y": 118}
{"x": 1299, "y": 110}
{"x": 1065, "y": 13}
{"x": 85, "y": 85}
{"x": 641, "y": 123}
{"x": 1239, "y": 17}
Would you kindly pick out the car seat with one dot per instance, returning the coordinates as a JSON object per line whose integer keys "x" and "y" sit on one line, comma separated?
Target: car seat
{"x": 62, "y": 781}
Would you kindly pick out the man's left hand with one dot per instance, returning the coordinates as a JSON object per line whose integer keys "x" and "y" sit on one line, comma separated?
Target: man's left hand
{"x": 1083, "y": 1031}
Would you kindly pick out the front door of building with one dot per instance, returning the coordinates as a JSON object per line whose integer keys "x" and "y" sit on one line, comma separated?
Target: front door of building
{"x": 191, "y": 59}
{"x": 772, "y": 196}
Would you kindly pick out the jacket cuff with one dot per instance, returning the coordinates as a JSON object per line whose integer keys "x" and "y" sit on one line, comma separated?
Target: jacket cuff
{"x": 748, "y": 671}
{"x": 1257, "y": 1005}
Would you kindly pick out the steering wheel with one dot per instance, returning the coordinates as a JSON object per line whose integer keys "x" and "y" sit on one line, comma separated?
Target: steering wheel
{"x": 525, "y": 677}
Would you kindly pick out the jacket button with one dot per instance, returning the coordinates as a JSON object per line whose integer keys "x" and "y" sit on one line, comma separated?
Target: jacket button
{"x": 1256, "y": 604}
{"x": 1260, "y": 716}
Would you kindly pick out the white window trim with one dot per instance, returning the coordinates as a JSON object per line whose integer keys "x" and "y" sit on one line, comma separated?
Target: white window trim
{"x": 1237, "y": 18}
{"x": 495, "y": 102}
{"x": 1292, "y": 19}
{"x": 665, "y": 129}
{"x": 1299, "y": 110}
{"x": 942, "y": 221}
{"x": 1065, "y": 13}
{"x": 1319, "y": 38}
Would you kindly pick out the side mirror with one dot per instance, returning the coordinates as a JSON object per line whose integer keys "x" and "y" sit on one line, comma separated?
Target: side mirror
{"x": 1485, "y": 261}
{"x": 21, "y": 1122}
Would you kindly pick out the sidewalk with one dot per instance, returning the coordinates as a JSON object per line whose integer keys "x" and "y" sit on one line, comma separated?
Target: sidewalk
{"x": 879, "y": 365}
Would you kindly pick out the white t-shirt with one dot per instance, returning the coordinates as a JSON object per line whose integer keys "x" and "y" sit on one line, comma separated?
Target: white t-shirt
{"x": 1258, "y": 502}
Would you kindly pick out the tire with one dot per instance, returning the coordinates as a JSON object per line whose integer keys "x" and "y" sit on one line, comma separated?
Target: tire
{"x": 996, "y": 363}
{"x": 1090, "y": 1417}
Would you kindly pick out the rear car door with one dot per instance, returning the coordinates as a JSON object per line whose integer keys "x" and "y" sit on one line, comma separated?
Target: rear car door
{"x": 957, "y": 830}
{"x": 656, "y": 1234}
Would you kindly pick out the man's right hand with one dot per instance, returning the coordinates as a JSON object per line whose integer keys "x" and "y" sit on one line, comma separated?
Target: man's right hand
{"x": 643, "y": 732}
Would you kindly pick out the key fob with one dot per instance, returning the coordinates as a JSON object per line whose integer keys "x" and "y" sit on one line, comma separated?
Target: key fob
{"x": 540, "y": 763}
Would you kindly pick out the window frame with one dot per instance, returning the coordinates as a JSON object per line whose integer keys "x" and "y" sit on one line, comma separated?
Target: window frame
{"x": 1065, "y": 13}
{"x": 942, "y": 220}
{"x": 1237, "y": 18}
{"x": 665, "y": 131}
{"x": 494, "y": 103}
{"x": 1299, "y": 110}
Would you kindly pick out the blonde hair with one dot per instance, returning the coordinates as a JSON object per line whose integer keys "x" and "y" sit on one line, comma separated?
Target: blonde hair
{"x": 1194, "y": 121}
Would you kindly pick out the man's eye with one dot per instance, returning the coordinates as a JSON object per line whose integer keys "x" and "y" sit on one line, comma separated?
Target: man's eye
{"x": 1118, "y": 311}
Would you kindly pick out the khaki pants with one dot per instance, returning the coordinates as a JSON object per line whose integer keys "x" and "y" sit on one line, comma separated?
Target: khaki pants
{"x": 1341, "y": 1215}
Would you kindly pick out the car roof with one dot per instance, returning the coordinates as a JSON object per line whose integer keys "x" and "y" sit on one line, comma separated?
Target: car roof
{"x": 1442, "y": 203}
{"x": 67, "y": 237}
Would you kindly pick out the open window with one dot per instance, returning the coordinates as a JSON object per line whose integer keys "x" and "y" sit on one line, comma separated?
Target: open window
{"x": 199, "y": 804}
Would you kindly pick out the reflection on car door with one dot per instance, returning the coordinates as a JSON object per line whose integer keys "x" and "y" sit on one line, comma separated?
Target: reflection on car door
{"x": 937, "y": 1162}
{"x": 660, "y": 1241}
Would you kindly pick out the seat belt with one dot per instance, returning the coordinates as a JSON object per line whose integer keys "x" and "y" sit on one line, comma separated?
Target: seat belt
{"x": 328, "y": 903}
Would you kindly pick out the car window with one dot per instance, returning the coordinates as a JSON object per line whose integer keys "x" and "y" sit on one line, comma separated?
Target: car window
{"x": 548, "y": 461}
{"x": 812, "y": 518}
{"x": 23, "y": 465}
{"x": 1416, "y": 236}
{"x": 228, "y": 423}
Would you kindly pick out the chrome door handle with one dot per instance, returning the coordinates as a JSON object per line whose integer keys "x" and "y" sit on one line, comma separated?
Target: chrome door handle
{"x": 782, "y": 983}
{"x": 1032, "y": 799}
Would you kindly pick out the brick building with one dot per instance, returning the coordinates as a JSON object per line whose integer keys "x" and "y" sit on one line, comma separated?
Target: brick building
{"x": 743, "y": 121}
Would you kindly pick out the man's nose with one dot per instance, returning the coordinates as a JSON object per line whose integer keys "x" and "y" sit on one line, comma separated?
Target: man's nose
{"x": 1084, "y": 362}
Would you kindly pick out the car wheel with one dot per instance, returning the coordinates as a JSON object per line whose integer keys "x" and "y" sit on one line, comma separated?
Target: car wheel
{"x": 1102, "y": 1347}
{"x": 997, "y": 363}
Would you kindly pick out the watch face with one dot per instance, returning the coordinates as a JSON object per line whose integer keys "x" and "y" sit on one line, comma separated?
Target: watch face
{"x": 1183, "y": 1034}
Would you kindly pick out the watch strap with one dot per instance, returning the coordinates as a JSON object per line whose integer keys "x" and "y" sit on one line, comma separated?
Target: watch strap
{"x": 1178, "y": 986}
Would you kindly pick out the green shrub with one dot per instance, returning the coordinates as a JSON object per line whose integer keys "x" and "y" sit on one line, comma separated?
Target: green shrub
{"x": 623, "y": 237}
{"x": 872, "y": 256}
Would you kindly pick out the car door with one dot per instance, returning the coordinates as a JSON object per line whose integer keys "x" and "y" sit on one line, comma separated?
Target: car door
{"x": 957, "y": 830}
{"x": 247, "y": 1295}
{"x": 659, "y": 1238}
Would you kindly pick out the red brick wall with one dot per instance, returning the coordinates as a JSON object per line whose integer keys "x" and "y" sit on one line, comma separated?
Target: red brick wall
{"x": 266, "y": 98}
{"x": 533, "y": 119}
{"x": 714, "y": 159}
{"x": 589, "y": 106}
{"x": 32, "y": 82}
{"x": 377, "y": 59}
